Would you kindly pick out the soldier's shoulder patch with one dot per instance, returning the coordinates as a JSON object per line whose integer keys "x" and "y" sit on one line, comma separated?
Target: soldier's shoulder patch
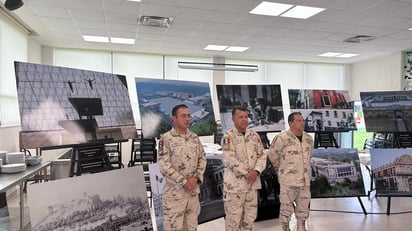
{"x": 226, "y": 143}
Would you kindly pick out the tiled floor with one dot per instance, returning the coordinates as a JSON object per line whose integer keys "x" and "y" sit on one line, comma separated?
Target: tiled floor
{"x": 352, "y": 220}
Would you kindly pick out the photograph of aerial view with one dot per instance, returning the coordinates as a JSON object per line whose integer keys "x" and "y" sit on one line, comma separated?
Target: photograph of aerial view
{"x": 157, "y": 97}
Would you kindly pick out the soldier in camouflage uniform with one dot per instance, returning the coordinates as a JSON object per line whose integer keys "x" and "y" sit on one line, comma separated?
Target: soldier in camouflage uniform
{"x": 244, "y": 159}
{"x": 290, "y": 153}
{"x": 182, "y": 161}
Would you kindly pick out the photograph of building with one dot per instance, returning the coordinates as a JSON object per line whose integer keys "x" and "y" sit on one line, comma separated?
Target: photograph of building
{"x": 63, "y": 106}
{"x": 387, "y": 111}
{"x": 336, "y": 173}
{"x": 392, "y": 171}
{"x": 157, "y": 97}
{"x": 97, "y": 201}
{"x": 323, "y": 110}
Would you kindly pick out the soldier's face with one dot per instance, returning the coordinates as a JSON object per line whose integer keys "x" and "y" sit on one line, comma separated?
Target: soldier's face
{"x": 182, "y": 118}
{"x": 240, "y": 120}
{"x": 298, "y": 123}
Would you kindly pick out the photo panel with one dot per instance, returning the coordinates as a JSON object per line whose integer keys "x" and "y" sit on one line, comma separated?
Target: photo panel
{"x": 387, "y": 111}
{"x": 64, "y": 106}
{"x": 336, "y": 173}
{"x": 97, "y": 201}
{"x": 264, "y": 103}
{"x": 323, "y": 110}
{"x": 392, "y": 171}
{"x": 157, "y": 97}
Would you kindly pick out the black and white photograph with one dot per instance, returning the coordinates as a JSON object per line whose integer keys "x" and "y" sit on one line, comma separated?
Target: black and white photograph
{"x": 5, "y": 224}
{"x": 64, "y": 106}
{"x": 157, "y": 97}
{"x": 392, "y": 171}
{"x": 323, "y": 110}
{"x": 211, "y": 191}
{"x": 111, "y": 200}
{"x": 336, "y": 173}
{"x": 387, "y": 111}
{"x": 264, "y": 103}
{"x": 157, "y": 182}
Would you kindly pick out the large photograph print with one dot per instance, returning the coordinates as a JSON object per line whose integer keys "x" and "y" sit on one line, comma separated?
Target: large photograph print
{"x": 336, "y": 173}
{"x": 112, "y": 200}
{"x": 323, "y": 110}
{"x": 387, "y": 111}
{"x": 64, "y": 106}
{"x": 157, "y": 97}
{"x": 392, "y": 171}
{"x": 264, "y": 103}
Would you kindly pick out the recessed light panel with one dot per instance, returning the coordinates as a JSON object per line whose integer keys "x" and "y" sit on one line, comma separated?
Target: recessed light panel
{"x": 121, "y": 40}
{"x": 215, "y": 47}
{"x": 270, "y": 8}
{"x": 302, "y": 12}
{"x": 330, "y": 54}
{"x": 98, "y": 39}
{"x": 237, "y": 49}
{"x": 347, "y": 55}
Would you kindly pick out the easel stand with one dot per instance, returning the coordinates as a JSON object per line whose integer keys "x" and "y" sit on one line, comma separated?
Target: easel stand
{"x": 325, "y": 140}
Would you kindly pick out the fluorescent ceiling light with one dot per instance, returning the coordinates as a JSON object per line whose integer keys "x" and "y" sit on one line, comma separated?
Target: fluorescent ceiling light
{"x": 99, "y": 39}
{"x": 302, "y": 12}
{"x": 347, "y": 55}
{"x": 121, "y": 40}
{"x": 134, "y": 0}
{"x": 410, "y": 28}
{"x": 215, "y": 47}
{"x": 338, "y": 55}
{"x": 237, "y": 49}
{"x": 270, "y": 8}
{"x": 330, "y": 54}
{"x": 217, "y": 66}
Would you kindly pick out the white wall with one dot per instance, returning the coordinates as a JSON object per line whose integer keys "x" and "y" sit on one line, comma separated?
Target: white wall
{"x": 380, "y": 74}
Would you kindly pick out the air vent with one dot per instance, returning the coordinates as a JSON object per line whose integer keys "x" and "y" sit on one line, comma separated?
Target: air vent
{"x": 155, "y": 21}
{"x": 359, "y": 39}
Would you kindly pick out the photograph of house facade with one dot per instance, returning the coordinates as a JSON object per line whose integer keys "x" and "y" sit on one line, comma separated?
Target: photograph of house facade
{"x": 392, "y": 171}
{"x": 336, "y": 173}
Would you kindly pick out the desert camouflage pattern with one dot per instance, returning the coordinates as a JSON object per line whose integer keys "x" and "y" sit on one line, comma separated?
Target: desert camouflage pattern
{"x": 298, "y": 194}
{"x": 175, "y": 210}
{"x": 237, "y": 219}
{"x": 179, "y": 158}
{"x": 291, "y": 158}
{"x": 241, "y": 152}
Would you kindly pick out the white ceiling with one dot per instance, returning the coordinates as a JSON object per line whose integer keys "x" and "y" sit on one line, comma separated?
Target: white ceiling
{"x": 197, "y": 23}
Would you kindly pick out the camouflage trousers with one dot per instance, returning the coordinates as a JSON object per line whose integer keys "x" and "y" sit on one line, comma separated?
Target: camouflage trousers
{"x": 240, "y": 209}
{"x": 181, "y": 214}
{"x": 294, "y": 194}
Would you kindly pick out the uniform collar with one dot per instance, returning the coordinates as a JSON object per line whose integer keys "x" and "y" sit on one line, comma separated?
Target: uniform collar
{"x": 175, "y": 133}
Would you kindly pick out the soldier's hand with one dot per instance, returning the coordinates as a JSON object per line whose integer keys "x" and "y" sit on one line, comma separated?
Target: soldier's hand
{"x": 251, "y": 175}
{"x": 190, "y": 184}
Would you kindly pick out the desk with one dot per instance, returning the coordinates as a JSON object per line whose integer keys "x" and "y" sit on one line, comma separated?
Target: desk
{"x": 9, "y": 180}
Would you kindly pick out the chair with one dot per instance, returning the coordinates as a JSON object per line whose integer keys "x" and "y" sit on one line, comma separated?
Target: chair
{"x": 114, "y": 153}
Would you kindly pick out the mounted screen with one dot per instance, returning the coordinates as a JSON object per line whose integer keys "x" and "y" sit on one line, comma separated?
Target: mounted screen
{"x": 323, "y": 110}
{"x": 387, "y": 111}
{"x": 157, "y": 97}
{"x": 63, "y": 106}
{"x": 264, "y": 103}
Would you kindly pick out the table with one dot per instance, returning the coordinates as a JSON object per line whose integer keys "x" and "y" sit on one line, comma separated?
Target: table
{"x": 9, "y": 180}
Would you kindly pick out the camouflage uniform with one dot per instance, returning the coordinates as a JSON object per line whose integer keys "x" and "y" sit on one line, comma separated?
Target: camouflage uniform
{"x": 291, "y": 158}
{"x": 241, "y": 152}
{"x": 179, "y": 158}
